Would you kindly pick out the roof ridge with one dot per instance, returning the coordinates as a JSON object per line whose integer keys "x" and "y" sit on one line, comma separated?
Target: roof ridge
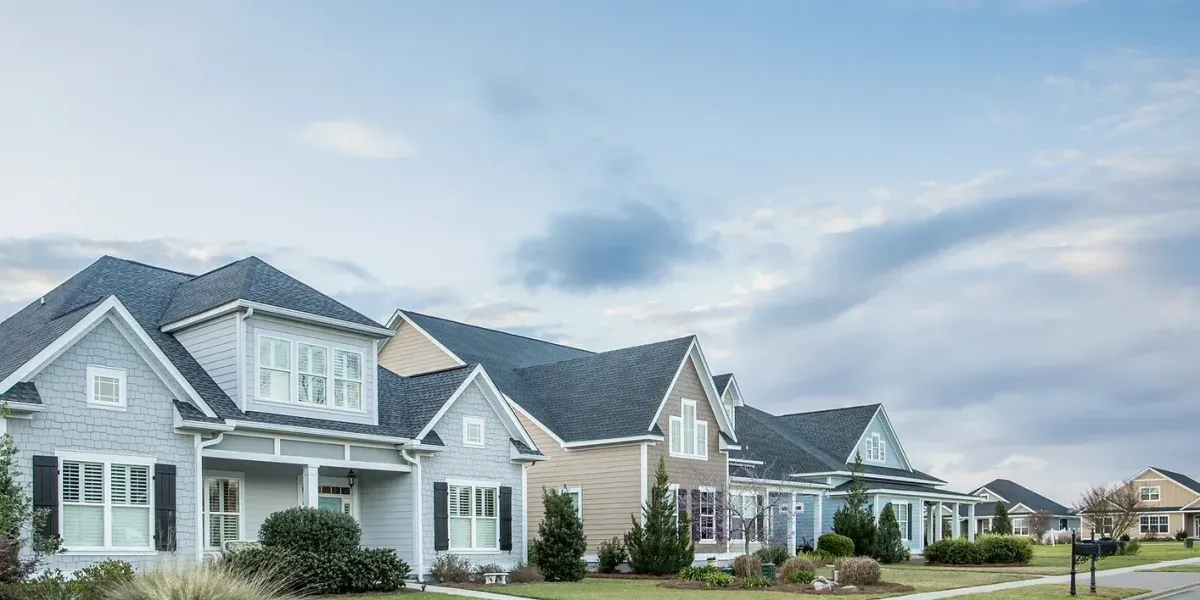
{"x": 439, "y": 371}
{"x": 825, "y": 410}
{"x": 215, "y": 269}
{"x": 829, "y": 460}
{"x": 606, "y": 352}
{"x": 147, "y": 265}
{"x": 501, "y": 331}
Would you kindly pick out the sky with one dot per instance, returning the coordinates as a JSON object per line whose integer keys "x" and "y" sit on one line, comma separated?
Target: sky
{"x": 983, "y": 214}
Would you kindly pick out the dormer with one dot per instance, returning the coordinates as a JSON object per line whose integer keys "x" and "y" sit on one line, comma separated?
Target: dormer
{"x": 731, "y": 396}
{"x": 275, "y": 345}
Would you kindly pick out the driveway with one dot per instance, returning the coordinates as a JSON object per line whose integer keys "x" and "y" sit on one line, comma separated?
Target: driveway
{"x": 1143, "y": 579}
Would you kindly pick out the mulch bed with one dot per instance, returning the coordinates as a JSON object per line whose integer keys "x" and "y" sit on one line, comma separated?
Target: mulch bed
{"x": 882, "y": 587}
{"x": 628, "y": 576}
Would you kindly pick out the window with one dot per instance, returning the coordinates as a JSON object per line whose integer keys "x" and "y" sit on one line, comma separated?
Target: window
{"x": 1154, "y": 524}
{"x": 1106, "y": 526}
{"x": 106, "y": 505}
{"x": 336, "y": 498}
{"x": 730, "y": 410}
{"x": 901, "y": 512}
{"x": 1020, "y": 527}
{"x": 1150, "y": 493}
{"x": 673, "y": 498}
{"x": 309, "y": 373}
{"x": 747, "y": 517}
{"x": 106, "y": 387}
{"x": 474, "y": 517}
{"x": 224, "y": 512}
{"x": 689, "y": 436}
{"x": 576, "y": 494}
{"x": 876, "y": 448}
{"x": 473, "y": 431}
{"x": 707, "y": 512}
{"x": 985, "y": 496}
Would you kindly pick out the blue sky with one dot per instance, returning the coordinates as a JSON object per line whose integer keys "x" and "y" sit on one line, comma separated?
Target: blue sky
{"x": 984, "y": 214}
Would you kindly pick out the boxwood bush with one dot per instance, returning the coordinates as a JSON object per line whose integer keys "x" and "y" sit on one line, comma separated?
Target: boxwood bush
{"x": 987, "y": 549}
{"x": 836, "y": 545}
{"x": 310, "y": 530}
{"x": 953, "y": 551}
{"x": 347, "y": 572}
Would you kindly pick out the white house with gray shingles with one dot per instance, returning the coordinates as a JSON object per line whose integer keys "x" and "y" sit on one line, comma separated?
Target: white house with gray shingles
{"x": 159, "y": 413}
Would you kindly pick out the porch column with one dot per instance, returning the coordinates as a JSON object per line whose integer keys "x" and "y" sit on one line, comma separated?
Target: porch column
{"x": 817, "y": 519}
{"x": 919, "y": 516}
{"x": 971, "y": 522}
{"x": 956, "y": 524}
{"x": 877, "y": 509}
{"x": 310, "y": 486}
{"x": 792, "y": 527}
{"x": 937, "y": 529}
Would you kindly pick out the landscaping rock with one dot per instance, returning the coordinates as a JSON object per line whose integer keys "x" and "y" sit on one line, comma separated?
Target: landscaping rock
{"x": 822, "y": 586}
{"x": 849, "y": 589}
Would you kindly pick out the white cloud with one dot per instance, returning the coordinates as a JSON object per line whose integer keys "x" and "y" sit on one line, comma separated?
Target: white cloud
{"x": 880, "y": 193}
{"x": 352, "y": 138}
{"x": 1055, "y": 158}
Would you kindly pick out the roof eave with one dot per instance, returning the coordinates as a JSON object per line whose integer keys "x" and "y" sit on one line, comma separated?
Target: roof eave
{"x": 278, "y": 311}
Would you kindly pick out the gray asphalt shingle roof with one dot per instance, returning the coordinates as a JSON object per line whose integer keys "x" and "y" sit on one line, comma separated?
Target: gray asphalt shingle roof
{"x": 905, "y": 487}
{"x": 24, "y": 392}
{"x": 1181, "y": 479}
{"x": 1014, "y": 494}
{"x": 722, "y": 381}
{"x": 836, "y": 430}
{"x": 580, "y": 395}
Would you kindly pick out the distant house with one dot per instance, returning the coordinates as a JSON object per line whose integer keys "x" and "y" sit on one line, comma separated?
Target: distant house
{"x": 1170, "y": 502}
{"x": 1020, "y": 502}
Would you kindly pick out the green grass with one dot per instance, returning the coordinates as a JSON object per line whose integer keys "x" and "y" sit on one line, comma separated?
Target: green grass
{"x": 1054, "y": 560}
{"x": 1179, "y": 569}
{"x": 1051, "y": 592}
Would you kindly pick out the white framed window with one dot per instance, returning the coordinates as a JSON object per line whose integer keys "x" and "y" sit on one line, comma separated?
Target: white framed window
{"x": 107, "y": 503}
{"x": 673, "y": 497}
{"x": 1154, "y": 524}
{"x": 1150, "y": 493}
{"x": 224, "y": 508}
{"x": 876, "y": 448}
{"x": 745, "y": 516}
{"x": 474, "y": 516}
{"x": 730, "y": 409}
{"x": 576, "y": 494}
{"x": 347, "y": 379}
{"x": 473, "y": 431}
{"x": 706, "y": 512}
{"x": 309, "y": 373}
{"x": 336, "y": 498}
{"x": 901, "y": 512}
{"x": 106, "y": 387}
{"x": 1020, "y": 526}
{"x": 274, "y": 369}
{"x": 689, "y": 435}
{"x": 1106, "y": 526}
{"x": 312, "y": 365}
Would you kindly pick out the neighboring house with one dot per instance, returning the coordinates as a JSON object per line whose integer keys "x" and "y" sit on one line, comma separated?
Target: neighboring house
{"x": 159, "y": 413}
{"x": 818, "y": 449}
{"x": 1020, "y": 502}
{"x": 1170, "y": 502}
{"x": 604, "y": 419}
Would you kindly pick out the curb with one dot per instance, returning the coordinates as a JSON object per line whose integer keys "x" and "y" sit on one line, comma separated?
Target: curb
{"x": 1179, "y": 589}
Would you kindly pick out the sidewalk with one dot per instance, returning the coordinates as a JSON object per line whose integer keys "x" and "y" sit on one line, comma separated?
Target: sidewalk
{"x": 469, "y": 593}
{"x": 1081, "y": 580}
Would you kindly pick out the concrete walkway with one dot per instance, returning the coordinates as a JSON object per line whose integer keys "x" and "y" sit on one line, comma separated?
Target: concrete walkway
{"x": 450, "y": 591}
{"x": 1111, "y": 577}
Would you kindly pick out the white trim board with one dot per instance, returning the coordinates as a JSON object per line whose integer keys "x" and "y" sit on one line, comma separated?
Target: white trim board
{"x": 278, "y": 311}
{"x": 887, "y": 424}
{"x": 696, "y": 355}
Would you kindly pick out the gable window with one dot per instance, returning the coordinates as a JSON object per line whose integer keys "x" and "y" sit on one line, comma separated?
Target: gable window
{"x": 876, "y": 448}
{"x": 224, "y": 511}
{"x": 106, "y": 504}
{"x": 1150, "y": 493}
{"x": 730, "y": 411}
{"x": 106, "y": 387}
{"x": 473, "y": 431}
{"x": 308, "y": 373}
{"x": 1154, "y": 524}
{"x": 474, "y": 517}
{"x": 689, "y": 436}
{"x": 1020, "y": 527}
{"x": 707, "y": 514}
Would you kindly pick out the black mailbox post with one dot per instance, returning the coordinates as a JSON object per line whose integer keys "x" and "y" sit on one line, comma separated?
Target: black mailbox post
{"x": 1090, "y": 550}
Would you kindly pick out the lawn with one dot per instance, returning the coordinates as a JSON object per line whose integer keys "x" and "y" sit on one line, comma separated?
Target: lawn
{"x": 1054, "y": 560}
{"x": 1053, "y": 592}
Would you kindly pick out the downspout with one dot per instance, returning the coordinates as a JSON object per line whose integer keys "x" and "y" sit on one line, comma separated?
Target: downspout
{"x": 201, "y": 444}
{"x": 418, "y": 542}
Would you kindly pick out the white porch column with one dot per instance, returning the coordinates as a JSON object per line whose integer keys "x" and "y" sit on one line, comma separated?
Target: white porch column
{"x": 919, "y": 515}
{"x": 310, "y": 486}
{"x": 956, "y": 524}
{"x": 971, "y": 522}
{"x": 937, "y": 529}
{"x": 817, "y": 519}
{"x": 877, "y": 509}
{"x": 792, "y": 526}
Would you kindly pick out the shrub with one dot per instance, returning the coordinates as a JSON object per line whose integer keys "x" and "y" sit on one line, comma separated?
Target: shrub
{"x": 525, "y": 573}
{"x": 697, "y": 573}
{"x": 889, "y": 545}
{"x": 8, "y": 592}
{"x": 1005, "y": 549}
{"x": 356, "y": 571}
{"x": 92, "y": 581}
{"x": 836, "y": 545}
{"x": 717, "y": 578}
{"x": 747, "y": 565}
{"x": 821, "y": 557}
{"x": 451, "y": 568}
{"x": 1150, "y": 537}
{"x": 1001, "y": 524}
{"x": 49, "y": 585}
{"x": 775, "y": 555}
{"x": 854, "y": 519}
{"x": 805, "y": 577}
{"x": 796, "y": 564}
{"x": 1130, "y": 548}
{"x": 561, "y": 542}
{"x": 200, "y": 583}
{"x": 1062, "y": 538}
{"x": 664, "y": 544}
{"x": 611, "y": 554}
{"x": 756, "y": 582}
{"x": 858, "y": 570}
{"x": 310, "y": 530}
{"x": 1181, "y": 535}
{"x": 953, "y": 552}
{"x": 1124, "y": 537}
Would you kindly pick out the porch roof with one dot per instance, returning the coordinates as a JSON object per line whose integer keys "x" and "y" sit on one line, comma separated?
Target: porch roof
{"x": 908, "y": 489}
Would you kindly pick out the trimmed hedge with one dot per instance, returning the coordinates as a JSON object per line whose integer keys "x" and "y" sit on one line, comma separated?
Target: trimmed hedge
{"x": 348, "y": 572}
{"x": 310, "y": 530}
{"x": 836, "y": 545}
{"x": 987, "y": 549}
{"x": 953, "y": 551}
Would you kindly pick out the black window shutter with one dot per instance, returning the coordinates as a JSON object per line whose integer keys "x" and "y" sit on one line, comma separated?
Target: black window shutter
{"x": 45, "y": 491}
{"x": 506, "y": 518}
{"x": 441, "y": 516}
{"x": 164, "y": 507}
{"x": 681, "y": 508}
{"x": 908, "y": 523}
{"x": 760, "y": 516}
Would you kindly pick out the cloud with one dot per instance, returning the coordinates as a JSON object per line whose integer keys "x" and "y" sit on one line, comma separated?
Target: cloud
{"x": 351, "y": 138}
{"x": 880, "y": 193}
{"x": 588, "y": 250}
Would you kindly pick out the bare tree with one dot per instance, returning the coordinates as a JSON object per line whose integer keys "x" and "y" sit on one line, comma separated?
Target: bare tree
{"x": 1110, "y": 510}
{"x": 745, "y": 511}
{"x": 1039, "y": 523}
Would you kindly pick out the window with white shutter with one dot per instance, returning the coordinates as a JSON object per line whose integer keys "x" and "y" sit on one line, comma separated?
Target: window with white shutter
{"x": 307, "y": 372}
{"x": 474, "y": 517}
{"x": 347, "y": 379}
{"x": 223, "y": 512}
{"x": 689, "y": 435}
{"x": 107, "y": 504}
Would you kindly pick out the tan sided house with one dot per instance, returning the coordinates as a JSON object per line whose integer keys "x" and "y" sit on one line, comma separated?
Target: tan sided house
{"x": 603, "y": 419}
{"x": 1170, "y": 502}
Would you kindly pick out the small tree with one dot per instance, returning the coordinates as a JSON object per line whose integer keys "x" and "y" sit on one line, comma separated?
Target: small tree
{"x": 561, "y": 543}
{"x": 17, "y": 514}
{"x": 1039, "y": 523}
{"x": 889, "y": 545}
{"x": 664, "y": 544}
{"x": 854, "y": 519}
{"x": 1109, "y": 511}
{"x": 1001, "y": 524}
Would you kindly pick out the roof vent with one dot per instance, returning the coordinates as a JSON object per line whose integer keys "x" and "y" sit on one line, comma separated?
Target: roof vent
{"x": 42, "y": 301}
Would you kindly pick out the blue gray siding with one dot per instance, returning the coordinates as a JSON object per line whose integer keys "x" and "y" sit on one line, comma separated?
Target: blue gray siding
{"x": 892, "y": 454}
{"x": 214, "y": 345}
{"x": 491, "y": 464}
{"x": 145, "y": 428}
{"x": 806, "y": 514}
{"x": 831, "y": 505}
{"x": 385, "y": 505}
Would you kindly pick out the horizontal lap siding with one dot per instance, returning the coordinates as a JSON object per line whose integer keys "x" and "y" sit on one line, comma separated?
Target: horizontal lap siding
{"x": 214, "y": 345}
{"x": 409, "y": 353}
{"x": 609, "y": 476}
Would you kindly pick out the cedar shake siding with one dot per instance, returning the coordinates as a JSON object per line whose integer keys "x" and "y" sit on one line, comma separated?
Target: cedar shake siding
{"x": 411, "y": 353}
{"x": 690, "y": 474}
{"x": 608, "y": 477}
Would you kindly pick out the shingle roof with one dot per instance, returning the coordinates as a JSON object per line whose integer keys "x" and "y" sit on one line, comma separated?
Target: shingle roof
{"x": 836, "y": 431}
{"x": 1015, "y": 493}
{"x": 580, "y": 395}
{"x": 23, "y": 393}
{"x": 905, "y": 487}
{"x": 721, "y": 382}
{"x": 522, "y": 448}
{"x": 1181, "y": 479}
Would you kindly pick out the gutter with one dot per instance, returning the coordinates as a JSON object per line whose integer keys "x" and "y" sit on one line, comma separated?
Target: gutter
{"x": 418, "y": 542}
{"x": 201, "y": 444}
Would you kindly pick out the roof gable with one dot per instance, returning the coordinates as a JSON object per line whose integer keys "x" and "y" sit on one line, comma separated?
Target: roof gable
{"x": 1190, "y": 484}
{"x": 1014, "y": 494}
{"x": 478, "y": 378}
{"x": 894, "y": 456}
{"x": 837, "y": 431}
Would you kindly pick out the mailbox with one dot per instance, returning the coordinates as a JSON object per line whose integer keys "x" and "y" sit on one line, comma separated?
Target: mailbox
{"x": 1088, "y": 549}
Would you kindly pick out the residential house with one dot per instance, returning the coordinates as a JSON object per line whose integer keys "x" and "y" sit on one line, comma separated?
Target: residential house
{"x": 603, "y": 418}
{"x": 159, "y": 413}
{"x": 1020, "y": 502}
{"x": 817, "y": 450}
{"x": 1170, "y": 502}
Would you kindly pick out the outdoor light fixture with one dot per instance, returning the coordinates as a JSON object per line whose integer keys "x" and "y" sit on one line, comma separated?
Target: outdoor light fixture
{"x": 351, "y": 477}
